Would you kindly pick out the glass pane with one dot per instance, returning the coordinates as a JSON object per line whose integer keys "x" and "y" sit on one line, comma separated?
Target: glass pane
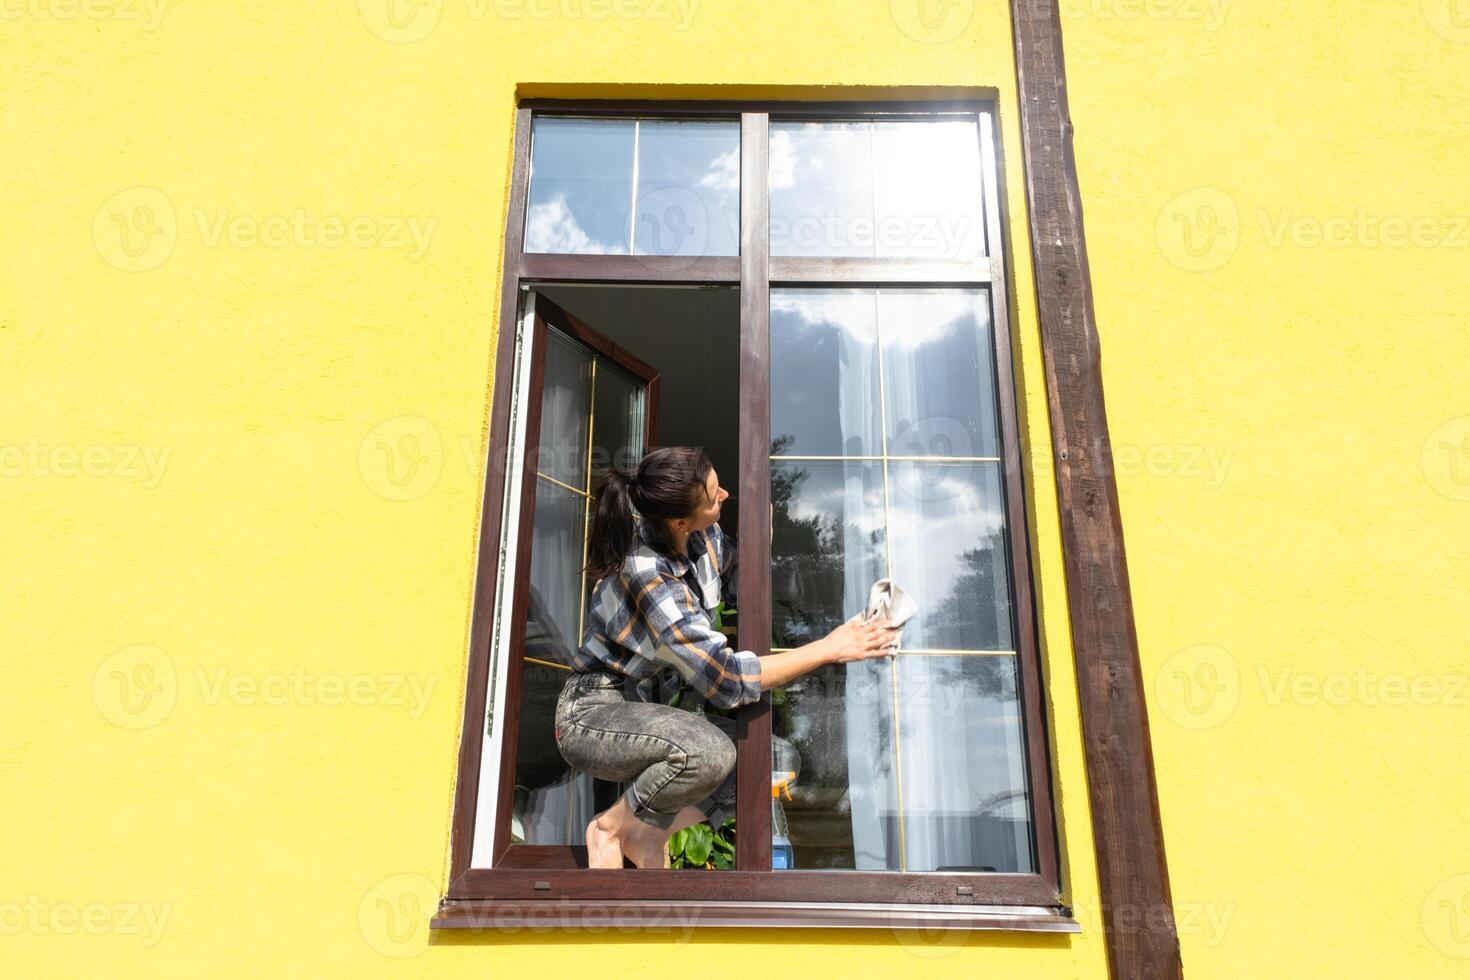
{"x": 548, "y": 802}
{"x": 824, "y": 373}
{"x": 826, "y": 546}
{"x": 962, "y": 768}
{"x": 939, "y": 381}
{"x": 834, "y": 729}
{"x": 821, "y": 189}
{"x": 948, "y": 532}
{"x": 552, "y": 627}
{"x": 581, "y": 185}
{"x": 566, "y": 404}
{"x": 552, "y": 805}
{"x": 892, "y": 189}
{"x": 927, "y": 190}
{"x": 617, "y": 422}
{"x": 688, "y": 188}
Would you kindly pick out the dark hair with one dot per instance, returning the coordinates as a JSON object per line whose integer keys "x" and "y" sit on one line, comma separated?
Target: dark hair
{"x": 663, "y": 487}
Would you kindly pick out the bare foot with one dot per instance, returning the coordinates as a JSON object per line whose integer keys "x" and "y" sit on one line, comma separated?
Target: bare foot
{"x": 647, "y": 847}
{"x": 604, "y": 850}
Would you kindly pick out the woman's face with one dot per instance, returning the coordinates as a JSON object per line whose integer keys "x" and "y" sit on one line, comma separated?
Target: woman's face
{"x": 707, "y": 508}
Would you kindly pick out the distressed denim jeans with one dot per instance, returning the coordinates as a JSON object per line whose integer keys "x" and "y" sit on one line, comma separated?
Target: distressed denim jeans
{"x": 673, "y": 757}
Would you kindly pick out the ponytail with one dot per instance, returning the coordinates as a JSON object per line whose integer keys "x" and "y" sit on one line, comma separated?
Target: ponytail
{"x": 612, "y": 526}
{"x": 662, "y": 487}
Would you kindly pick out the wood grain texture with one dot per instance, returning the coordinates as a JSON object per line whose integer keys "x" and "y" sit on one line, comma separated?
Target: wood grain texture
{"x": 753, "y": 722}
{"x": 1132, "y": 872}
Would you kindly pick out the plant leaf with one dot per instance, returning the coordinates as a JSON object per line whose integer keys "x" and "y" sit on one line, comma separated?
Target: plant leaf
{"x": 700, "y": 843}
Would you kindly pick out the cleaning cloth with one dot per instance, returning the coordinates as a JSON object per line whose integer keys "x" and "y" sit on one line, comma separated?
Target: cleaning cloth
{"x": 886, "y": 598}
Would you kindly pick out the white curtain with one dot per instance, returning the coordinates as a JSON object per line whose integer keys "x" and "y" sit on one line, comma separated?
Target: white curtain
{"x": 870, "y": 758}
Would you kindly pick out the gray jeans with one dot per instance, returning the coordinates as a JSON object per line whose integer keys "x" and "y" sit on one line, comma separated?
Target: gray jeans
{"x": 673, "y": 757}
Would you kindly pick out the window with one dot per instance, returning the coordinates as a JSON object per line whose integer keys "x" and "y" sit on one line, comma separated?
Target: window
{"x": 836, "y": 272}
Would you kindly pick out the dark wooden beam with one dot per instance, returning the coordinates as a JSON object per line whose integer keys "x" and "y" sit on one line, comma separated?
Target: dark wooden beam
{"x": 1137, "y": 912}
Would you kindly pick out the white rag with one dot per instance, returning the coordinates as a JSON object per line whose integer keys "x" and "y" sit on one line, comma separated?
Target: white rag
{"x": 888, "y": 599}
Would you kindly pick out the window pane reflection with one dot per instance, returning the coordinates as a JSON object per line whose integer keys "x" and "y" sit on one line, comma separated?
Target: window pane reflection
{"x": 936, "y": 396}
{"x": 581, "y": 185}
{"x": 821, "y": 189}
{"x": 556, "y": 588}
{"x": 938, "y": 373}
{"x": 826, "y": 545}
{"x": 688, "y": 188}
{"x": 914, "y": 763}
{"x": 961, "y": 764}
{"x": 552, "y": 804}
{"x": 884, "y": 189}
{"x": 837, "y": 726}
{"x": 947, "y": 793}
{"x": 589, "y": 195}
{"x": 824, "y": 372}
{"x": 566, "y": 403}
{"x": 948, "y": 528}
{"x": 617, "y": 431}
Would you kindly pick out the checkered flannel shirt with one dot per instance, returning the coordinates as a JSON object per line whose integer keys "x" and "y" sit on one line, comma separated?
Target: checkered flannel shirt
{"x": 653, "y": 621}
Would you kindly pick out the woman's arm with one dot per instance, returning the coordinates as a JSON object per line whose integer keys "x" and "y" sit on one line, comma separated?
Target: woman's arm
{"x": 853, "y": 640}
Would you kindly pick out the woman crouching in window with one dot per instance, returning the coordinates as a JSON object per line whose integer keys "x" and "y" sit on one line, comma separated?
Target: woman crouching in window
{"x": 656, "y": 554}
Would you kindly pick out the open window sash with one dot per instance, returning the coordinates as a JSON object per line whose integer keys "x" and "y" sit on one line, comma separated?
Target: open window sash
{"x": 589, "y": 405}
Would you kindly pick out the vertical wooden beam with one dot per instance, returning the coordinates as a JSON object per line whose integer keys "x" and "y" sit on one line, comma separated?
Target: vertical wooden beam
{"x": 1138, "y": 920}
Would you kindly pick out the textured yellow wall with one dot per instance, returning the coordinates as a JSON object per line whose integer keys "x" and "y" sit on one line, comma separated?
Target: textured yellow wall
{"x": 1277, "y": 200}
{"x": 251, "y": 263}
{"x": 235, "y": 672}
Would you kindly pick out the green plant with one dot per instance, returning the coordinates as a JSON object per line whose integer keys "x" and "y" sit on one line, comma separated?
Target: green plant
{"x": 702, "y": 846}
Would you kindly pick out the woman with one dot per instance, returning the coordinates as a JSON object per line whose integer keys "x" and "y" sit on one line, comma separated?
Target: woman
{"x": 657, "y": 553}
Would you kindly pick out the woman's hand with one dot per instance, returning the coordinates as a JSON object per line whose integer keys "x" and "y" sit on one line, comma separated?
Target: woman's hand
{"x": 853, "y": 640}
{"x": 857, "y": 640}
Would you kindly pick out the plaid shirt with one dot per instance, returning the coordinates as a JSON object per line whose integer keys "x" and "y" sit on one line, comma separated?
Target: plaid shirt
{"x": 653, "y": 622}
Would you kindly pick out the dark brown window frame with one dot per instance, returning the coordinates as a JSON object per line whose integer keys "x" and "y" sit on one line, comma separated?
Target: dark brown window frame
{"x": 1133, "y": 878}
{"x": 524, "y": 881}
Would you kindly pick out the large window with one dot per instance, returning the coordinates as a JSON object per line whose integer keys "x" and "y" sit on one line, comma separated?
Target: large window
{"x": 834, "y": 275}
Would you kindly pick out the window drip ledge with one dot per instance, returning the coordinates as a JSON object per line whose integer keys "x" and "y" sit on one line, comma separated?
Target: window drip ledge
{"x": 571, "y": 914}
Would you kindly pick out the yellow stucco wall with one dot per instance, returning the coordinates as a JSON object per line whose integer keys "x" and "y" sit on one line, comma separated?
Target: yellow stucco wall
{"x": 1278, "y": 216}
{"x": 235, "y": 623}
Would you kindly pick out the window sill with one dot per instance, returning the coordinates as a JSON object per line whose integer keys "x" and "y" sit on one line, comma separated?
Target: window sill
{"x": 574, "y": 914}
